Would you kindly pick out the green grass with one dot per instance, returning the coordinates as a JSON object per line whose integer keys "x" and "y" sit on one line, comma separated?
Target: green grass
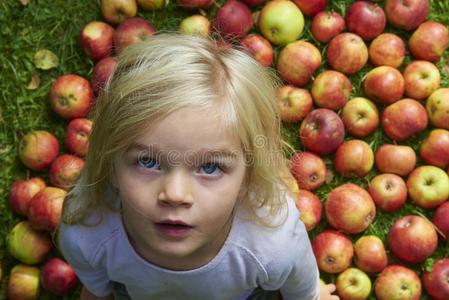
{"x": 55, "y": 25}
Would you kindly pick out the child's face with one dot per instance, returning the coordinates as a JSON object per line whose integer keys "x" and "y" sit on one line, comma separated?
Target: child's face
{"x": 177, "y": 200}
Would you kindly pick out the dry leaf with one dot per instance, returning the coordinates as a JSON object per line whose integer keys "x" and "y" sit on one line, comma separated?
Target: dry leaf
{"x": 24, "y": 2}
{"x": 445, "y": 68}
{"x": 45, "y": 59}
{"x": 34, "y": 83}
{"x": 329, "y": 176}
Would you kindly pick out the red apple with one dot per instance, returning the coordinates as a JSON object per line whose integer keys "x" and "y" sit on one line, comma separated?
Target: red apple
{"x": 58, "y": 277}
{"x": 437, "y": 106}
{"x": 308, "y": 169}
{"x": 65, "y": 170}
{"x": 384, "y": 85}
{"x": 360, "y": 116}
{"x": 397, "y": 282}
{"x": 347, "y": 53}
{"x": 101, "y": 73}
{"x": 436, "y": 281}
{"x": 252, "y": 3}
{"x": 331, "y": 89}
{"x": 96, "y": 40}
{"x": 27, "y": 244}
{"x": 366, "y": 19}
{"x": 116, "y": 11}
{"x": 21, "y": 193}
{"x": 71, "y": 96}
{"x": 354, "y": 158}
{"x": 294, "y": 103}
{"x": 77, "y": 136}
{"x": 389, "y": 191}
{"x": 326, "y": 25}
{"x": 321, "y": 131}
{"x": 421, "y": 79}
{"x": 23, "y": 282}
{"x": 298, "y": 61}
{"x": 46, "y": 209}
{"x": 333, "y": 251}
{"x": 441, "y": 219}
{"x": 37, "y": 149}
{"x": 349, "y": 208}
{"x": 428, "y": 186}
{"x": 403, "y": 119}
{"x": 259, "y": 48}
{"x": 353, "y": 284}
{"x": 397, "y": 159}
{"x": 412, "y": 238}
{"x": 406, "y": 14}
{"x": 369, "y": 254}
{"x": 195, "y": 24}
{"x": 387, "y": 49}
{"x": 233, "y": 20}
{"x": 429, "y": 41}
{"x": 192, "y": 4}
{"x": 311, "y": 7}
{"x": 434, "y": 150}
{"x": 310, "y": 209}
{"x": 130, "y": 31}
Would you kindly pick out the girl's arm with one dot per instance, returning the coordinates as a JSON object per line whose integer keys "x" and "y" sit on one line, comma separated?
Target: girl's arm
{"x": 326, "y": 291}
{"x": 86, "y": 295}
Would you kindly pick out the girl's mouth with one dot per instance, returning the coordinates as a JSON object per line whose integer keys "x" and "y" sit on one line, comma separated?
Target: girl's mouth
{"x": 173, "y": 229}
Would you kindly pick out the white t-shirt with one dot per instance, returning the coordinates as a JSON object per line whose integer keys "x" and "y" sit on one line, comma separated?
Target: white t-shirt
{"x": 252, "y": 256}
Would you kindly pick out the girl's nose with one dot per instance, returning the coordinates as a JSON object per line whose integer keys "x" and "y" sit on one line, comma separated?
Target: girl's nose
{"x": 176, "y": 189}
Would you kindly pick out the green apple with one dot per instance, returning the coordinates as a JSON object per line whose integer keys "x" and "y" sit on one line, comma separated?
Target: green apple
{"x": 195, "y": 24}
{"x": 281, "y": 22}
{"x": 24, "y": 282}
{"x": 353, "y": 284}
{"x": 151, "y": 5}
{"x": 428, "y": 186}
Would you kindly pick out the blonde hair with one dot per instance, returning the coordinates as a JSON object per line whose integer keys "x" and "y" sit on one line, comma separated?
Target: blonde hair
{"x": 168, "y": 72}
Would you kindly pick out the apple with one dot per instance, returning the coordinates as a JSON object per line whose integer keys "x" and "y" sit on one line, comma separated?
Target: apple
{"x": 331, "y": 89}
{"x": 58, "y": 277}
{"x": 130, "y": 31}
{"x": 294, "y": 103}
{"x": 321, "y": 131}
{"x": 403, "y": 119}
{"x": 298, "y": 61}
{"x": 349, "y": 208}
{"x": 434, "y": 150}
{"x": 259, "y": 48}
{"x": 429, "y": 41}
{"x": 387, "y": 49}
{"x": 441, "y": 219}
{"x": 281, "y": 22}
{"x": 195, "y": 24}
{"x": 428, "y": 186}
{"x": 210, "y": 3}
{"x": 437, "y": 106}
{"x": 65, "y": 171}
{"x": 360, "y": 116}
{"x": 22, "y": 191}
{"x": 308, "y": 169}
{"x": 406, "y": 14}
{"x": 353, "y": 284}
{"x": 347, "y": 53}
{"x": 326, "y": 25}
{"x": 152, "y": 5}
{"x": 354, "y": 158}
{"x": 436, "y": 282}
{"x": 397, "y": 282}
{"x": 369, "y": 254}
{"x": 37, "y": 149}
{"x": 421, "y": 79}
{"x": 310, "y": 209}
{"x": 77, "y": 136}
{"x": 310, "y": 7}
{"x": 192, "y": 4}
{"x": 96, "y": 40}
{"x": 384, "y": 85}
{"x": 397, "y": 159}
{"x": 28, "y": 245}
{"x": 117, "y": 11}
{"x": 412, "y": 238}
{"x": 101, "y": 73}
{"x": 252, "y": 3}
{"x": 46, "y": 209}
{"x": 233, "y": 20}
{"x": 333, "y": 251}
{"x": 389, "y": 191}
{"x": 366, "y": 19}
{"x": 71, "y": 96}
{"x": 24, "y": 282}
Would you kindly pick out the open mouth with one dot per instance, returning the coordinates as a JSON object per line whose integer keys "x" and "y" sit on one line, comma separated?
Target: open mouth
{"x": 173, "y": 229}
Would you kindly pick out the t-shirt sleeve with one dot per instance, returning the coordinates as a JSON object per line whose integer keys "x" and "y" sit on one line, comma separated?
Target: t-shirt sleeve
{"x": 78, "y": 252}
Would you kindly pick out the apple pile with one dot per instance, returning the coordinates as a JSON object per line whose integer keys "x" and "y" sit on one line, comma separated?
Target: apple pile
{"x": 360, "y": 96}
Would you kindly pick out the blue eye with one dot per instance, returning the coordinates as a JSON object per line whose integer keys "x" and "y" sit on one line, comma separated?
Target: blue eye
{"x": 210, "y": 168}
{"x": 147, "y": 162}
